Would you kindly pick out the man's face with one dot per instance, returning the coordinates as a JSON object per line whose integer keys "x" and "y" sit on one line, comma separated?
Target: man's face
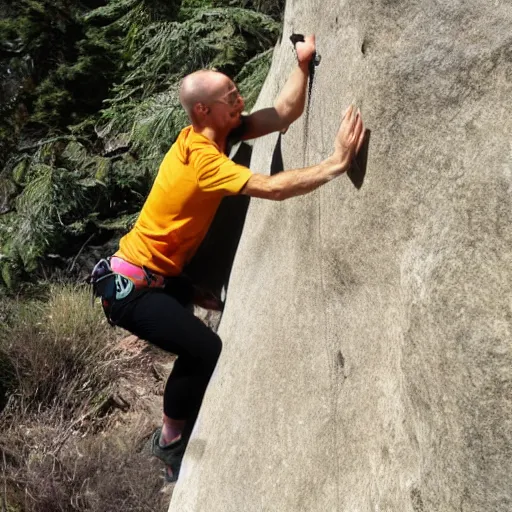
{"x": 226, "y": 107}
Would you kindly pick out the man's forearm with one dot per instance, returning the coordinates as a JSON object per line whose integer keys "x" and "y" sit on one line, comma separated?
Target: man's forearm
{"x": 298, "y": 182}
{"x": 295, "y": 182}
{"x": 290, "y": 102}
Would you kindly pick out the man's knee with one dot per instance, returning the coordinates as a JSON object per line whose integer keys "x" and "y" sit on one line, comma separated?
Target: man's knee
{"x": 211, "y": 353}
{"x": 216, "y": 347}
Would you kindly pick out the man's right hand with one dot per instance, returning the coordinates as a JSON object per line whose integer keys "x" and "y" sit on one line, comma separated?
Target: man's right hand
{"x": 349, "y": 138}
{"x": 305, "y": 50}
{"x": 296, "y": 182}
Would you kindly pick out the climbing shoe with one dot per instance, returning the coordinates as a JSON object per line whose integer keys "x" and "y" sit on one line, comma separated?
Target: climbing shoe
{"x": 171, "y": 455}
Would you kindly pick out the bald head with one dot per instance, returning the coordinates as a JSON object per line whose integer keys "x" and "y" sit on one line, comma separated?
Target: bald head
{"x": 201, "y": 87}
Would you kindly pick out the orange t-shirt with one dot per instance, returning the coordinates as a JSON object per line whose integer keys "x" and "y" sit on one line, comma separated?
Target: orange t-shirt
{"x": 193, "y": 178}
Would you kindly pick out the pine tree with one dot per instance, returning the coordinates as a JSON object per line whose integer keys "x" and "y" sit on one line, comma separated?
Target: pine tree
{"x": 91, "y": 171}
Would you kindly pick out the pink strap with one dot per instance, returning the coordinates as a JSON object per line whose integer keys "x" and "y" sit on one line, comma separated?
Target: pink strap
{"x": 136, "y": 274}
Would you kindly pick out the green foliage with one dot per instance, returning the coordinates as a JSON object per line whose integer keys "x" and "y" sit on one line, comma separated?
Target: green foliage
{"x": 111, "y": 12}
{"x": 72, "y": 63}
{"x": 68, "y": 189}
{"x": 48, "y": 29}
{"x": 161, "y": 10}
{"x": 50, "y": 103}
{"x": 10, "y": 264}
{"x": 273, "y": 8}
{"x": 120, "y": 223}
{"x": 146, "y": 104}
{"x": 220, "y": 38}
{"x": 20, "y": 171}
{"x": 130, "y": 182}
{"x": 68, "y": 194}
{"x": 196, "y": 4}
{"x": 154, "y": 122}
{"x": 8, "y": 191}
{"x": 35, "y": 229}
{"x": 8, "y": 34}
{"x": 252, "y": 76}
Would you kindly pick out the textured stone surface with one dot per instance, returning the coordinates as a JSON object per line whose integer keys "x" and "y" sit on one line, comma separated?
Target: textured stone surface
{"x": 367, "y": 361}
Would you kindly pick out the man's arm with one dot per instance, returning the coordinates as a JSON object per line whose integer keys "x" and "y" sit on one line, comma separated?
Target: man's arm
{"x": 301, "y": 181}
{"x": 289, "y": 105}
{"x": 292, "y": 183}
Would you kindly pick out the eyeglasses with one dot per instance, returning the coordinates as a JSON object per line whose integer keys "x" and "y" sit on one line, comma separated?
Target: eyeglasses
{"x": 231, "y": 98}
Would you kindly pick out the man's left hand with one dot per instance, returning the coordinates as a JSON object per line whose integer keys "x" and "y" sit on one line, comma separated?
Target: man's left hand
{"x": 305, "y": 50}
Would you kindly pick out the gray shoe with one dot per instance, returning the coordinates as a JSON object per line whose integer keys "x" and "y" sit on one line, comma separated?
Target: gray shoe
{"x": 171, "y": 454}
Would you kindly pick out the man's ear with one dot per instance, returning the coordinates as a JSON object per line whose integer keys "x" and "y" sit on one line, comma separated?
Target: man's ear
{"x": 201, "y": 109}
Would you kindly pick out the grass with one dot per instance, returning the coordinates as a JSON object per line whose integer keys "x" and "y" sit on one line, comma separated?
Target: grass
{"x": 59, "y": 368}
{"x": 57, "y": 353}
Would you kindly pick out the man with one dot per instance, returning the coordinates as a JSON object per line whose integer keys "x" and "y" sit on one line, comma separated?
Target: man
{"x": 194, "y": 176}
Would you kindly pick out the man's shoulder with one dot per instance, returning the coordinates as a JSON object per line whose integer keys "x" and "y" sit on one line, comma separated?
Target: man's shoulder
{"x": 193, "y": 140}
{"x": 189, "y": 145}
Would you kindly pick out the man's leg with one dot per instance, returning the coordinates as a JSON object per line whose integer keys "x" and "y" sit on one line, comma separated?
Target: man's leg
{"x": 159, "y": 318}
{"x": 171, "y": 430}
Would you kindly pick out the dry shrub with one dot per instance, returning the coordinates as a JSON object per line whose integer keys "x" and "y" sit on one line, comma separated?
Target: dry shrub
{"x": 57, "y": 354}
{"x": 60, "y": 367}
{"x": 93, "y": 474}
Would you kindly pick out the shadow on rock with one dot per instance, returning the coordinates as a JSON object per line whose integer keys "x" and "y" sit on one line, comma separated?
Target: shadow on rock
{"x": 357, "y": 171}
{"x": 277, "y": 164}
{"x": 211, "y": 266}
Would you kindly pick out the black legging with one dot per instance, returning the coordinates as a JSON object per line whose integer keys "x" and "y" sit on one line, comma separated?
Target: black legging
{"x": 162, "y": 318}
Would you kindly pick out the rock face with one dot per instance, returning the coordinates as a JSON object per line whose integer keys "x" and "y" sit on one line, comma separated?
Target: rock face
{"x": 367, "y": 361}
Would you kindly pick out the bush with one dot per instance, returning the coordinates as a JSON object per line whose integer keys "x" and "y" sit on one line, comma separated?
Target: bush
{"x": 59, "y": 450}
{"x": 99, "y": 474}
{"x": 57, "y": 353}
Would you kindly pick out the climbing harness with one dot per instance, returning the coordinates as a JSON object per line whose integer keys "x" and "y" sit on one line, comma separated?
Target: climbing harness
{"x": 313, "y": 63}
{"x": 114, "y": 279}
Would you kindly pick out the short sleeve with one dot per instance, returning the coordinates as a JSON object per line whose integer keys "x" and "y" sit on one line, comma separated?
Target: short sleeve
{"x": 217, "y": 173}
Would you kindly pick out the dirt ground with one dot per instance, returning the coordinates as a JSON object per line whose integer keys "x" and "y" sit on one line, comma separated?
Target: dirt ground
{"x": 140, "y": 397}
